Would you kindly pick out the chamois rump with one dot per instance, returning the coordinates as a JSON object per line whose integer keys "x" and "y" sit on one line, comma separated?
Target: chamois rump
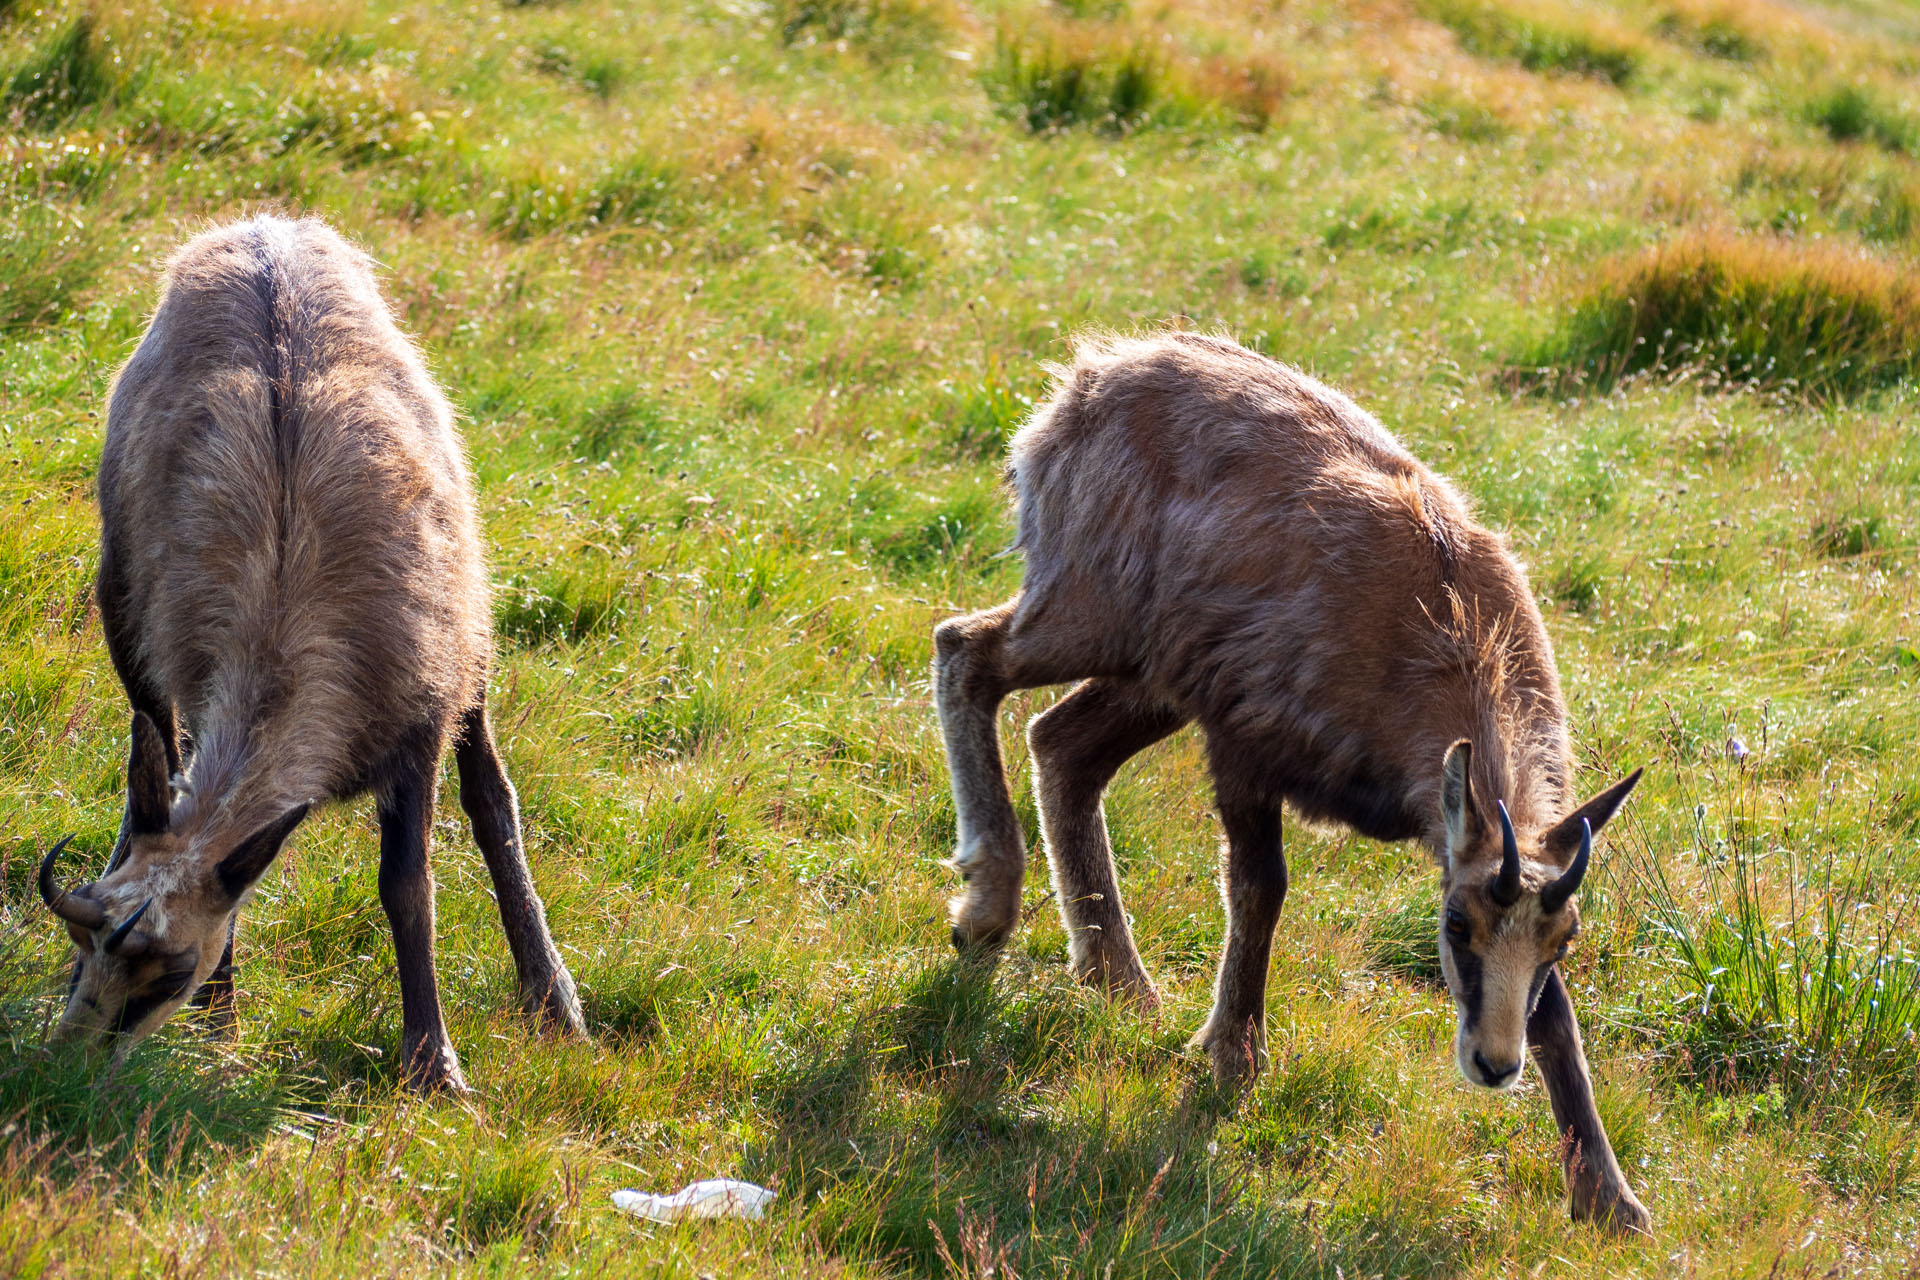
{"x": 1211, "y": 536}
{"x": 291, "y": 576}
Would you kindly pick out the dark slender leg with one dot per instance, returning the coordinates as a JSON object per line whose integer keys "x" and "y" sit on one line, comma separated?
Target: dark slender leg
{"x": 1254, "y": 885}
{"x": 216, "y": 994}
{"x": 546, "y": 988}
{"x": 1078, "y": 745}
{"x": 405, "y": 801}
{"x": 1595, "y": 1186}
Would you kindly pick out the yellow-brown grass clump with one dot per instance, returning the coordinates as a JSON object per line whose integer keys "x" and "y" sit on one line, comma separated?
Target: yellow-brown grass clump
{"x": 1120, "y": 77}
{"x": 1540, "y": 38}
{"x": 1817, "y": 317}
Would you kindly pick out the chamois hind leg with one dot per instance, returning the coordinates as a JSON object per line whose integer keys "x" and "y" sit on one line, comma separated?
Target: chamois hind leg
{"x": 404, "y": 799}
{"x": 1078, "y": 745}
{"x": 1595, "y": 1186}
{"x": 546, "y": 988}
{"x": 1254, "y": 886}
{"x": 978, "y": 660}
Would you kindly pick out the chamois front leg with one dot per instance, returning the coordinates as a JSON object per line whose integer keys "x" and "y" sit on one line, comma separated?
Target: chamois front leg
{"x": 215, "y": 996}
{"x": 1078, "y": 745}
{"x": 1254, "y": 885}
{"x": 427, "y": 1060}
{"x": 546, "y": 988}
{"x": 1597, "y": 1190}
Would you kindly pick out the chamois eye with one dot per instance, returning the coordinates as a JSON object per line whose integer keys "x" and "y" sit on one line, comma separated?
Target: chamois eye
{"x": 1458, "y": 930}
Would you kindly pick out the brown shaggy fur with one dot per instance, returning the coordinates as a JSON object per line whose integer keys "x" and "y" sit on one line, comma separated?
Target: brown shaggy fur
{"x": 1216, "y": 538}
{"x": 292, "y": 574}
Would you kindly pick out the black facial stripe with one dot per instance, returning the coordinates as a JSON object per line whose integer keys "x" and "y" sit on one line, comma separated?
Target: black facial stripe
{"x": 168, "y": 986}
{"x": 1466, "y": 988}
{"x": 1539, "y": 984}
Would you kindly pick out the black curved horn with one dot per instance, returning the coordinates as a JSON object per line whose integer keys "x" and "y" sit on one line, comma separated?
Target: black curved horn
{"x": 121, "y": 942}
{"x": 81, "y": 911}
{"x": 1555, "y": 895}
{"x": 1506, "y": 885}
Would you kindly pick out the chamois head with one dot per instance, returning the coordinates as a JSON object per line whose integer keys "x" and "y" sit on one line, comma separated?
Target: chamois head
{"x": 1507, "y": 916}
{"x": 152, "y": 929}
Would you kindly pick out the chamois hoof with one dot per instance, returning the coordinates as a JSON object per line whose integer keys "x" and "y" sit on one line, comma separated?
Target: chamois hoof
{"x": 554, "y": 1007}
{"x": 1237, "y": 1054}
{"x": 981, "y": 928}
{"x": 1122, "y": 978}
{"x": 1613, "y": 1207}
{"x": 434, "y": 1070}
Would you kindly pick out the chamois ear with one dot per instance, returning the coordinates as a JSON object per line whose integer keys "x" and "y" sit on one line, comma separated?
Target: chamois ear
{"x": 1562, "y": 840}
{"x": 149, "y": 803}
{"x": 1465, "y": 823}
{"x": 251, "y": 858}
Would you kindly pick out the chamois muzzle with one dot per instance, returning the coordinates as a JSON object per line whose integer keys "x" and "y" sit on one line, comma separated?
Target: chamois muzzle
{"x": 1554, "y": 896}
{"x": 1505, "y": 889}
{"x": 84, "y": 912}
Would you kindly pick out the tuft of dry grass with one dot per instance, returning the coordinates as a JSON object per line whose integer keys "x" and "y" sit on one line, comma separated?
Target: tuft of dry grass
{"x": 1813, "y": 316}
{"x": 1117, "y": 77}
{"x": 1742, "y": 30}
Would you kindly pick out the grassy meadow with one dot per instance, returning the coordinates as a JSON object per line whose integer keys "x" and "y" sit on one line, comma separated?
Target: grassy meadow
{"x": 739, "y": 301}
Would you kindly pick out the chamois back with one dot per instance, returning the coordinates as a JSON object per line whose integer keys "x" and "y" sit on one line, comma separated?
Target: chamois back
{"x": 1254, "y": 545}
{"x": 289, "y": 530}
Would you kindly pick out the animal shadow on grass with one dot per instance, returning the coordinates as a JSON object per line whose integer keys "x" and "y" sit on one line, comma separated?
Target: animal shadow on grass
{"x": 959, "y": 1128}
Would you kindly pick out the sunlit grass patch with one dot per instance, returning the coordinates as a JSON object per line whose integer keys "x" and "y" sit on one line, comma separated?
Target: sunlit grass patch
{"x": 513, "y": 1196}
{"x": 67, "y": 71}
{"x": 881, "y": 28}
{"x": 979, "y": 419}
{"x": 1874, "y": 196}
{"x": 1058, "y": 78}
{"x": 1541, "y": 37}
{"x": 595, "y": 71}
{"x": 1857, "y": 110}
{"x": 48, "y": 258}
{"x": 1846, "y": 532}
{"x": 1815, "y": 317}
{"x": 1715, "y": 30}
{"x": 1793, "y": 965}
{"x": 1118, "y": 77}
{"x": 1459, "y": 115}
{"x": 530, "y": 200}
{"x": 1404, "y": 940}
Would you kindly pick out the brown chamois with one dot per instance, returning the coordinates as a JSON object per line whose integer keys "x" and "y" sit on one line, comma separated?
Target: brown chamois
{"x": 1214, "y": 537}
{"x": 290, "y": 574}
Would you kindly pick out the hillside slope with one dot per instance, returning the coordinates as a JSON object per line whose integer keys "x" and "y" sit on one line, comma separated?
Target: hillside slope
{"x": 739, "y": 302}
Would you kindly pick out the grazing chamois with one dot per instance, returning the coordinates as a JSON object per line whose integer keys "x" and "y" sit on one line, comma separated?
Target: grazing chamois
{"x": 1214, "y": 537}
{"x": 291, "y": 574}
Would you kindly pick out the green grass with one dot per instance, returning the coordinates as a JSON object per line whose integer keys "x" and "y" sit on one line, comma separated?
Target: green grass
{"x": 1540, "y": 37}
{"x": 1850, "y": 111}
{"x": 1822, "y": 320}
{"x": 740, "y": 304}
